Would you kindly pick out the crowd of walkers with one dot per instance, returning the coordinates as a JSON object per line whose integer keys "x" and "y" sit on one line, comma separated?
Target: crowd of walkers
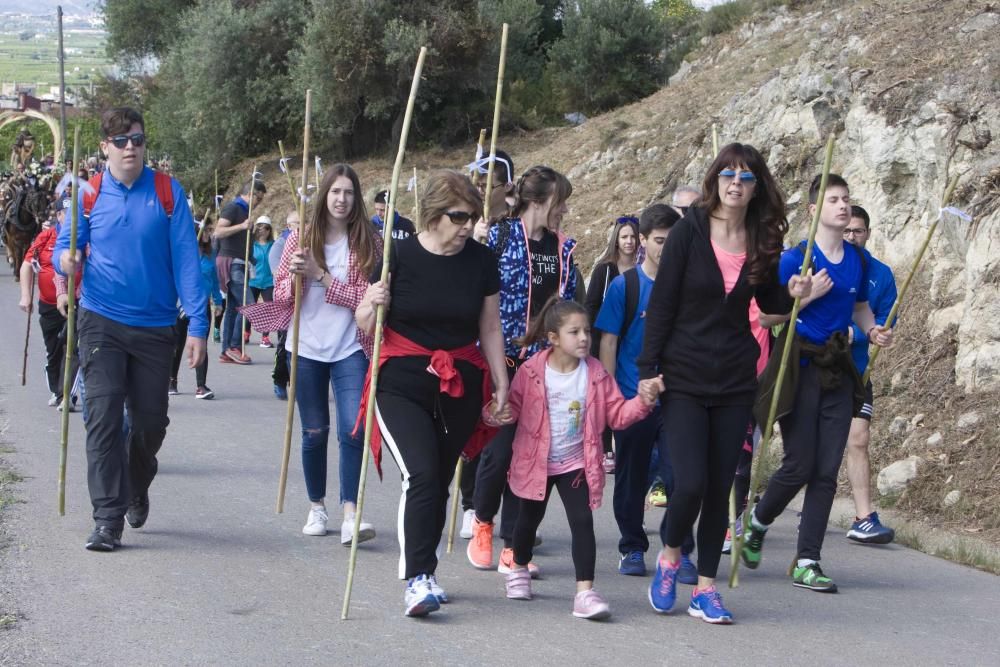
{"x": 495, "y": 358}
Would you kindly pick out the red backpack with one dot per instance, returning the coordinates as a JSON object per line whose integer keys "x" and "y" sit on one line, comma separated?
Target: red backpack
{"x": 161, "y": 181}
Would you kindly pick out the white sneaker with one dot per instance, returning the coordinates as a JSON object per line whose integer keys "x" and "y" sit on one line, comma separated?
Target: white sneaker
{"x": 437, "y": 590}
{"x": 466, "y": 531}
{"x": 53, "y": 401}
{"x": 71, "y": 404}
{"x": 419, "y": 598}
{"x": 365, "y": 531}
{"x": 316, "y": 523}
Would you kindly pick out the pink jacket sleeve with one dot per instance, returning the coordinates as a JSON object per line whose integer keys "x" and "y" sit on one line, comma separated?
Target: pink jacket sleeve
{"x": 621, "y": 413}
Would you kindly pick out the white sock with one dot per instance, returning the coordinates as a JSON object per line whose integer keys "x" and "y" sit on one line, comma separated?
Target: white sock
{"x": 755, "y": 522}
{"x": 803, "y": 562}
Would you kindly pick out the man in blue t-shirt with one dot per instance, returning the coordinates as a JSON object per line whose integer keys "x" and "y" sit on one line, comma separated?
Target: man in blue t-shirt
{"x": 621, "y": 343}
{"x": 814, "y": 433}
{"x": 867, "y": 528}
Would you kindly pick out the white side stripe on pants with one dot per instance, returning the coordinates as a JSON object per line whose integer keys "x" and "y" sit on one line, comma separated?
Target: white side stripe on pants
{"x": 389, "y": 442}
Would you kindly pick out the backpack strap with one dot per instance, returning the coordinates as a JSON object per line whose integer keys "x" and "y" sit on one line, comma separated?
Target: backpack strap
{"x": 90, "y": 194}
{"x": 631, "y": 300}
{"x": 161, "y": 182}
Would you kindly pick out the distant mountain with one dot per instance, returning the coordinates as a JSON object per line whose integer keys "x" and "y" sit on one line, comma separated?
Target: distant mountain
{"x": 76, "y": 7}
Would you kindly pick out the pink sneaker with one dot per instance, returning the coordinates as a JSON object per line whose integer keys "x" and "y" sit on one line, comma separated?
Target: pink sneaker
{"x": 519, "y": 585}
{"x": 587, "y": 604}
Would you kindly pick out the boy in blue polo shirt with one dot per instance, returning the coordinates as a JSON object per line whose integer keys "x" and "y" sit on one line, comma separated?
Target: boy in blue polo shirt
{"x": 814, "y": 433}
{"x": 622, "y": 323}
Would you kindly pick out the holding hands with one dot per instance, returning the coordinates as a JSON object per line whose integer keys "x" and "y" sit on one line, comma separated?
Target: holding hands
{"x": 650, "y": 390}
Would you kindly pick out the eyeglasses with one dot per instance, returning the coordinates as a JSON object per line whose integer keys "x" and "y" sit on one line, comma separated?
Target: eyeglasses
{"x": 855, "y": 231}
{"x": 745, "y": 177}
{"x": 460, "y": 217}
{"x": 121, "y": 140}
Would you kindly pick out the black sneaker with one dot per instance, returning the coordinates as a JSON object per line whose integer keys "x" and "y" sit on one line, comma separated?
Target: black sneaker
{"x": 104, "y": 538}
{"x": 138, "y": 511}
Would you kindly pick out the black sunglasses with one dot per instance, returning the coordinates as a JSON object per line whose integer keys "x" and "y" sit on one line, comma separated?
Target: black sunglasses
{"x": 121, "y": 140}
{"x": 460, "y": 217}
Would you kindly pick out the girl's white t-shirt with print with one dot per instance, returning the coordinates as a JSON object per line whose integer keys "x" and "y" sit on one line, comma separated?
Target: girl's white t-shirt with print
{"x": 328, "y": 331}
{"x": 566, "y": 394}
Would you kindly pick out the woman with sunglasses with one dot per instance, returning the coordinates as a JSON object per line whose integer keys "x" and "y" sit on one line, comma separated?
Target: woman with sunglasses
{"x": 722, "y": 253}
{"x": 442, "y": 298}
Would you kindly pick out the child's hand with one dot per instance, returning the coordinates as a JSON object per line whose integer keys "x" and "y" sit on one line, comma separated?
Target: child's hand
{"x": 650, "y": 390}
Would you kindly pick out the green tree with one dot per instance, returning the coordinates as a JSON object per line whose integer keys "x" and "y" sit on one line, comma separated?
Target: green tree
{"x": 220, "y": 92}
{"x": 136, "y": 30}
{"x": 608, "y": 56}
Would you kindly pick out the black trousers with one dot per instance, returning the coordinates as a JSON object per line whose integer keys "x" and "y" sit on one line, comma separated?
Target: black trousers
{"x": 491, "y": 484}
{"x": 425, "y": 432}
{"x": 53, "y": 326}
{"x": 575, "y": 496}
{"x": 814, "y": 435}
{"x": 280, "y": 372}
{"x": 180, "y": 340}
{"x": 123, "y": 365}
{"x": 469, "y": 471}
{"x": 706, "y": 442}
{"x": 635, "y": 445}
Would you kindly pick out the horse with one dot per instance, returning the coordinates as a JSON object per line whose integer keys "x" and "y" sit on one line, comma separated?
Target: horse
{"x": 24, "y": 206}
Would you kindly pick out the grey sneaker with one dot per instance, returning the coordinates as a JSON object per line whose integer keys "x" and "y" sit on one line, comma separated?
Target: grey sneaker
{"x": 104, "y": 538}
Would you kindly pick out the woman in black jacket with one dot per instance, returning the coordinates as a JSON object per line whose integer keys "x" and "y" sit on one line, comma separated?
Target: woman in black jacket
{"x": 721, "y": 254}
{"x": 619, "y": 257}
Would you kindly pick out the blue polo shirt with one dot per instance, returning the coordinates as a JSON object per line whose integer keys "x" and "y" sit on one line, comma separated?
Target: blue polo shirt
{"x": 835, "y": 310}
{"x": 611, "y": 318}
{"x": 140, "y": 262}
{"x": 881, "y": 296}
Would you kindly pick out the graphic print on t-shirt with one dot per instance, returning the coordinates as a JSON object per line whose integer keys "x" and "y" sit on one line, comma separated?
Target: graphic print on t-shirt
{"x": 567, "y": 401}
{"x": 544, "y": 269}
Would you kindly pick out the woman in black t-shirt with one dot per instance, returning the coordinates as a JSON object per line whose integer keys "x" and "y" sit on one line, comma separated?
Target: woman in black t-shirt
{"x": 442, "y": 298}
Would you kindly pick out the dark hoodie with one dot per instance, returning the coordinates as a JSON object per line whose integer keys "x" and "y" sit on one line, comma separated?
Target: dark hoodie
{"x": 696, "y": 335}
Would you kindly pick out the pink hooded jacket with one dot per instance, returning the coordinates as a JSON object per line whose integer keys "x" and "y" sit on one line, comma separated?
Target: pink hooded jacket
{"x": 605, "y": 406}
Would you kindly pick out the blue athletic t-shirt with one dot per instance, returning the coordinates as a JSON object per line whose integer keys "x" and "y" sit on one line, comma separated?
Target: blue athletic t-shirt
{"x": 835, "y": 310}
{"x": 611, "y": 318}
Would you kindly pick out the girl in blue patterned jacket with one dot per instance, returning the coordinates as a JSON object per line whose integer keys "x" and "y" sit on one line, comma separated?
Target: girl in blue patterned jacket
{"x": 535, "y": 262}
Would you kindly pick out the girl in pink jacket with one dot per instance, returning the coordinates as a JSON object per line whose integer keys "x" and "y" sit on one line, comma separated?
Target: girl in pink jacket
{"x": 562, "y": 400}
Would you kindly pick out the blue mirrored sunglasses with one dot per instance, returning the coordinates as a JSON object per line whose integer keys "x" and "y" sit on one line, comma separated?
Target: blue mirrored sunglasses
{"x": 746, "y": 177}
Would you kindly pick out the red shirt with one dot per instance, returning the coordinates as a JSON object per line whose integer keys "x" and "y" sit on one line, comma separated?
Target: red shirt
{"x": 41, "y": 249}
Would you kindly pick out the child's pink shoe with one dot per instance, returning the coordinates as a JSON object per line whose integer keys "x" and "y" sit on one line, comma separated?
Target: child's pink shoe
{"x": 588, "y": 604}
{"x": 519, "y": 585}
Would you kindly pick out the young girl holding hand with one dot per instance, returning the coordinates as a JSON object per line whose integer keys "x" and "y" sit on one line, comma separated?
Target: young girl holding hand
{"x": 562, "y": 400}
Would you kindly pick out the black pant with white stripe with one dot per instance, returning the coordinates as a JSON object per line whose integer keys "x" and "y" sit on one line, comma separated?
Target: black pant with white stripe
{"x": 425, "y": 431}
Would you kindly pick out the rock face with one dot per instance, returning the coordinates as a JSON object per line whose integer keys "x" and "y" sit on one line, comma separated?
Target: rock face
{"x": 894, "y": 478}
{"x": 953, "y": 497}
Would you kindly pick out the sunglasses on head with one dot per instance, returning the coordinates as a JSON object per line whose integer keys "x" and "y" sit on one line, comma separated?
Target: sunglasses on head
{"x": 626, "y": 219}
{"x": 121, "y": 140}
{"x": 460, "y": 217}
{"x": 745, "y": 177}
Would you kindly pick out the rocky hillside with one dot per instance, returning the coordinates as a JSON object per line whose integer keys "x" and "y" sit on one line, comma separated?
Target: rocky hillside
{"x": 909, "y": 90}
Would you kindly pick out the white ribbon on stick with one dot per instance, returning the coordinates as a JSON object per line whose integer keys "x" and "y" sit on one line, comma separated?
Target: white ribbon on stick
{"x": 412, "y": 183}
{"x": 319, "y": 167}
{"x": 283, "y": 165}
{"x": 482, "y": 166}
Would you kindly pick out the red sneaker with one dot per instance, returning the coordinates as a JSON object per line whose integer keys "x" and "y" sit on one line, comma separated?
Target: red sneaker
{"x": 238, "y": 357}
{"x": 480, "y": 549}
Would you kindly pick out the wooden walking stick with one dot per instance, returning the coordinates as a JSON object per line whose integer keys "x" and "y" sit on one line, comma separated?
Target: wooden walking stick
{"x": 906, "y": 283}
{"x": 416, "y": 196}
{"x": 390, "y": 218}
{"x": 765, "y": 440}
{"x": 474, "y": 175}
{"x": 283, "y": 168}
{"x": 70, "y": 329}
{"x": 246, "y": 261}
{"x": 305, "y": 237}
{"x": 27, "y": 333}
{"x": 486, "y": 216}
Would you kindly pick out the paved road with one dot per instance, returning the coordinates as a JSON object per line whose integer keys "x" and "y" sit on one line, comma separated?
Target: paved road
{"x": 217, "y": 577}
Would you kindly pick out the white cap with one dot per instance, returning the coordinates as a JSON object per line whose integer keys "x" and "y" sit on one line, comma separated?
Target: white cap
{"x": 263, "y": 220}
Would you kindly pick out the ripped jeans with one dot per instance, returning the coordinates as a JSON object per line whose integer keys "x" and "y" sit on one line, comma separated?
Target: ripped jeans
{"x": 347, "y": 378}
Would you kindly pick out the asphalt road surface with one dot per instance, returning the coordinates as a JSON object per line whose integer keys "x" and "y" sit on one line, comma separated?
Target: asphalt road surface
{"x": 217, "y": 577}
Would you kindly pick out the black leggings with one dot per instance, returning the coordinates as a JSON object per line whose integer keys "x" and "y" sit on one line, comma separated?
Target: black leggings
{"x": 425, "y": 432}
{"x": 705, "y": 448}
{"x": 575, "y": 496}
{"x": 261, "y": 293}
{"x": 180, "y": 340}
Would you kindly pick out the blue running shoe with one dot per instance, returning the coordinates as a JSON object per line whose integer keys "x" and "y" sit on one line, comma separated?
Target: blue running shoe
{"x": 663, "y": 590}
{"x": 632, "y": 564}
{"x": 870, "y": 530}
{"x": 419, "y": 597}
{"x": 707, "y": 605}
{"x": 688, "y": 574}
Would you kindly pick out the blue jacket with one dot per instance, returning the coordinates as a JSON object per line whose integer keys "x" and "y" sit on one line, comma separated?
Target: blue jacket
{"x": 881, "y": 296}
{"x": 210, "y": 278}
{"x": 515, "y": 280}
{"x": 140, "y": 263}
{"x": 262, "y": 278}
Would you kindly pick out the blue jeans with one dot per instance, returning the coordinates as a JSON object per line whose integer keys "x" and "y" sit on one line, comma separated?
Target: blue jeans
{"x": 347, "y": 378}
{"x": 231, "y": 332}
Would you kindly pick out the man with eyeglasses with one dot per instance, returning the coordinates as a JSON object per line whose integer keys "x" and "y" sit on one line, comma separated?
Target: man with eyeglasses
{"x": 140, "y": 257}
{"x": 867, "y": 528}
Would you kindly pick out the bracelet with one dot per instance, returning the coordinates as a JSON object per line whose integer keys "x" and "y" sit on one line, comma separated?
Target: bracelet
{"x": 869, "y": 334}
{"x": 323, "y": 275}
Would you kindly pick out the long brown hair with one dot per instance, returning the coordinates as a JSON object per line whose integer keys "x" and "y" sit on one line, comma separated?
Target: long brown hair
{"x": 766, "y": 221}
{"x": 537, "y": 185}
{"x": 360, "y": 231}
{"x": 552, "y": 316}
{"x": 612, "y": 253}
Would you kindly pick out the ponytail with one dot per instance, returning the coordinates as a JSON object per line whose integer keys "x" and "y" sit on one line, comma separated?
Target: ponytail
{"x": 552, "y": 316}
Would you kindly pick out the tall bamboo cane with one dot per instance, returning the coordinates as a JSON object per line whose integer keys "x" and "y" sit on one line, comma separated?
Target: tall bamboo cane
{"x": 27, "y": 333}
{"x": 390, "y": 218}
{"x": 474, "y": 175}
{"x": 216, "y": 200}
{"x": 906, "y": 284}
{"x": 70, "y": 329}
{"x": 246, "y": 260}
{"x": 765, "y": 441}
{"x": 305, "y": 237}
{"x": 486, "y": 216}
{"x": 296, "y": 200}
{"x": 416, "y": 196}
